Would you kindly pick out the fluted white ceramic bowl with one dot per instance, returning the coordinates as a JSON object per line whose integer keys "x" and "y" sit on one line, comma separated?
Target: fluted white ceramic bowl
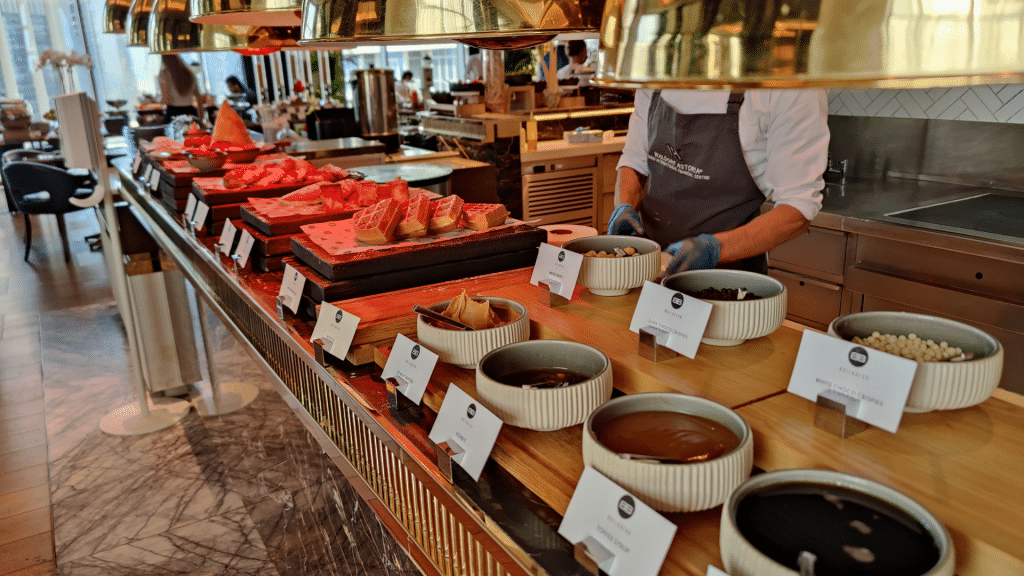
{"x": 733, "y": 323}
{"x": 937, "y": 385}
{"x": 466, "y": 348}
{"x": 741, "y": 558}
{"x": 616, "y": 276}
{"x": 544, "y": 408}
{"x": 688, "y": 487}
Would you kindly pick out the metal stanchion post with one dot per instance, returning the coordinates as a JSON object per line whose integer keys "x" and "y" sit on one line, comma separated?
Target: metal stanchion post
{"x": 225, "y": 397}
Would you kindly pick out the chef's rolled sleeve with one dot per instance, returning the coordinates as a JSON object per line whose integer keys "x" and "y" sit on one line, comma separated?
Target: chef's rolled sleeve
{"x": 634, "y": 151}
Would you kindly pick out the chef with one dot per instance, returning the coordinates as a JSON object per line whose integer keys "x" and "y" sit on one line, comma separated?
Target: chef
{"x": 406, "y": 95}
{"x": 697, "y": 165}
{"x": 577, "y": 51}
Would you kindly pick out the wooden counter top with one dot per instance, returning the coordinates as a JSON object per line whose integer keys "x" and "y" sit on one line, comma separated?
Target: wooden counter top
{"x": 964, "y": 465}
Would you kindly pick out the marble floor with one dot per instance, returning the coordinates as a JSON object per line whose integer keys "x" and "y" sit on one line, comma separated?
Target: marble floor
{"x": 248, "y": 493}
{"x": 245, "y": 493}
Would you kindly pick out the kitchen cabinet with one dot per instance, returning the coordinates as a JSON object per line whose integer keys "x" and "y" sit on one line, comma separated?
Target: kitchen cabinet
{"x": 561, "y": 191}
{"x": 812, "y": 267}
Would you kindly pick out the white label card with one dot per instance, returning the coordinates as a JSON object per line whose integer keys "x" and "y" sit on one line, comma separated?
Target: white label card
{"x": 677, "y": 319}
{"x": 244, "y": 248}
{"x": 190, "y": 207}
{"x": 337, "y": 326}
{"x": 557, "y": 267}
{"x": 227, "y": 237}
{"x": 468, "y": 427}
{"x": 624, "y": 535}
{"x": 291, "y": 288}
{"x": 877, "y": 383}
{"x": 411, "y": 365}
{"x": 713, "y": 571}
{"x": 200, "y": 215}
{"x": 147, "y": 172}
{"x": 154, "y": 180}
{"x": 137, "y": 163}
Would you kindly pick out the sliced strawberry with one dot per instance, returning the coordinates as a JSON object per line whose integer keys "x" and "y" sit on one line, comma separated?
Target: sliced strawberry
{"x": 333, "y": 173}
{"x": 306, "y": 196}
{"x": 367, "y": 192}
{"x": 399, "y": 189}
{"x": 349, "y": 190}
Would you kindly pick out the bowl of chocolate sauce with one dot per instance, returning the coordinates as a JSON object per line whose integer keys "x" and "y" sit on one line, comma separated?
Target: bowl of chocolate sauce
{"x": 744, "y": 305}
{"x": 677, "y": 453}
{"x": 828, "y": 523}
{"x": 544, "y": 384}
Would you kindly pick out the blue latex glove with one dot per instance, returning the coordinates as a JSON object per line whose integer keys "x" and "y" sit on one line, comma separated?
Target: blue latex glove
{"x": 625, "y": 221}
{"x": 696, "y": 253}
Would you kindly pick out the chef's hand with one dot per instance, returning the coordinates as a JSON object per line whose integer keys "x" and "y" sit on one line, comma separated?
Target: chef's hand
{"x": 625, "y": 221}
{"x": 696, "y": 253}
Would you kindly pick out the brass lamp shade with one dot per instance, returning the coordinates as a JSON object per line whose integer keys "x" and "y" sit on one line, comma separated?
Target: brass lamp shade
{"x": 137, "y": 23}
{"x": 810, "y": 43}
{"x": 247, "y": 12}
{"x": 492, "y": 24}
{"x": 114, "y": 15}
{"x": 171, "y": 31}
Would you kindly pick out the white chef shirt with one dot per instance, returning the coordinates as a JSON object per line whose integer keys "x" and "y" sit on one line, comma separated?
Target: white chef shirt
{"x": 784, "y": 135}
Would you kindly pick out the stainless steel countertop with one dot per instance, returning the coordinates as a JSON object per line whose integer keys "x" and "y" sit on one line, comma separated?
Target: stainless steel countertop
{"x": 862, "y": 206}
{"x": 335, "y": 147}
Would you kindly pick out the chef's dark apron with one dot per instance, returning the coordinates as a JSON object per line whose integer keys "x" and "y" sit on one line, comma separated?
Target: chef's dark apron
{"x": 699, "y": 181}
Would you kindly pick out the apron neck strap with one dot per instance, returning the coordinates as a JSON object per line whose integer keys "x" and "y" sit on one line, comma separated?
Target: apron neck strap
{"x": 735, "y": 101}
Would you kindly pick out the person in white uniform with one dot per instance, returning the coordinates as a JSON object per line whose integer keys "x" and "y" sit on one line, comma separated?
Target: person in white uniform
{"x": 577, "y": 51}
{"x": 697, "y": 165}
{"x": 406, "y": 95}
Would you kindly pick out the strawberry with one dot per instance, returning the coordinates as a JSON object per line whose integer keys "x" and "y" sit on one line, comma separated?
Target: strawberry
{"x": 367, "y": 192}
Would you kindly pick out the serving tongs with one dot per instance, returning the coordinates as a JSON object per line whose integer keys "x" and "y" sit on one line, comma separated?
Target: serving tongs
{"x": 646, "y": 458}
{"x": 433, "y": 315}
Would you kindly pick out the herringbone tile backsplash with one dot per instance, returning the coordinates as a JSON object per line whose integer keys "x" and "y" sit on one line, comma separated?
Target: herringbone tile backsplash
{"x": 988, "y": 103}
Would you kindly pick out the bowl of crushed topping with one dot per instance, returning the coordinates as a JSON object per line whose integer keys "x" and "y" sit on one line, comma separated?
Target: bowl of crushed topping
{"x": 791, "y": 522}
{"x": 494, "y": 321}
{"x": 675, "y": 452}
{"x": 614, "y": 265}
{"x": 744, "y": 305}
{"x": 957, "y": 365}
{"x": 206, "y": 160}
{"x": 544, "y": 384}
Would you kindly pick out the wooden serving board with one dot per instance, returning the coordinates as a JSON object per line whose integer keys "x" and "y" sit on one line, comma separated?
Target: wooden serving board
{"x": 481, "y": 244}
{"x": 319, "y": 289}
{"x": 215, "y": 218}
{"x": 179, "y": 173}
{"x": 266, "y": 245}
{"x": 289, "y": 224}
{"x": 264, "y": 263}
{"x": 212, "y": 194}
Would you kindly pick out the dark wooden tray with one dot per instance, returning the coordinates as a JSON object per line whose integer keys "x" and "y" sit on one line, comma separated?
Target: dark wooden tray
{"x": 264, "y": 263}
{"x": 318, "y": 289}
{"x": 241, "y": 195}
{"x": 289, "y": 225}
{"x": 184, "y": 179}
{"x": 266, "y": 245}
{"x": 487, "y": 243}
{"x": 216, "y": 216}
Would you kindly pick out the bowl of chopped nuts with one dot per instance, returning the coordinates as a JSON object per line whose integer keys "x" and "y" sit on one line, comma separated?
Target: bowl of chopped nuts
{"x": 957, "y": 365}
{"x": 614, "y": 265}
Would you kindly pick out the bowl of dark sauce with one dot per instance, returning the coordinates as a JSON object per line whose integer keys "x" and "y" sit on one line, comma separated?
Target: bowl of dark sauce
{"x": 842, "y": 525}
{"x": 544, "y": 384}
{"x": 678, "y": 453}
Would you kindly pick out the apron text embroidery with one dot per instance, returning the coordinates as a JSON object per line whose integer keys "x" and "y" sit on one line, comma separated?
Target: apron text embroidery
{"x": 680, "y": 167}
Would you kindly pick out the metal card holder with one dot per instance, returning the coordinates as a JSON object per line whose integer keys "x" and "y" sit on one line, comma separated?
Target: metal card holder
{"x": 234, "y": 263}
{"x": 445, "y": 452}
{"x": 319, "y": 349}
{"x": 397, "y": 401}
{"x": 653, "y": 345}
{"x": 280, "y": 307}
{"x": 833, "y": 413}
{"x": 547, "y": 294}
{"x": 591, "y": 554}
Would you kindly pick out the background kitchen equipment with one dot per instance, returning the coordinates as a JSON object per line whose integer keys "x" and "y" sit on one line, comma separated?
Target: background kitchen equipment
{"x": 375, "y": 102}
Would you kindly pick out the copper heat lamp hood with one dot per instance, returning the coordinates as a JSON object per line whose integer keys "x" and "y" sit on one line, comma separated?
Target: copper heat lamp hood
{"x": 273, "y": 13}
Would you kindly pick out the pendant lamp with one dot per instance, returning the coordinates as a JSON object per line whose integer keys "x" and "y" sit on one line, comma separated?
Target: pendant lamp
{"x": 492, "y": 24}
{"x": 115, "y": 13}
{"x": 247, "y": 12}
{"x": 171, "y": 30}
{"x": 137, "y": 23}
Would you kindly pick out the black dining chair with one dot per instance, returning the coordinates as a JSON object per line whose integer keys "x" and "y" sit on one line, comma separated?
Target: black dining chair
{"x": 14, "y": 155}
{"x": 40, "y": 189}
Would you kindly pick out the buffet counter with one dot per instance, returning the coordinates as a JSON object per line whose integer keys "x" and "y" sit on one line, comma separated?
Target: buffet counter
{"x": 964, "y": 465}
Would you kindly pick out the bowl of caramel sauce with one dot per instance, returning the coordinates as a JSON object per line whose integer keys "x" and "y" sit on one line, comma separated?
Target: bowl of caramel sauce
{"x": 544, "y": 384}
{"x": 677, "y": 453}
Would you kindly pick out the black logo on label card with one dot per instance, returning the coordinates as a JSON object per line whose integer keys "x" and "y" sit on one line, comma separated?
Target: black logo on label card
{"x": 471, "y": 411}
{"x": 561, "y": 256}
{"x": 677, "y": 300}
{"x": 415, "y": 352}
{"x": 858, "y": 356}
{"x": 626, "y": 506}
{"x": 337, "y": 317}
